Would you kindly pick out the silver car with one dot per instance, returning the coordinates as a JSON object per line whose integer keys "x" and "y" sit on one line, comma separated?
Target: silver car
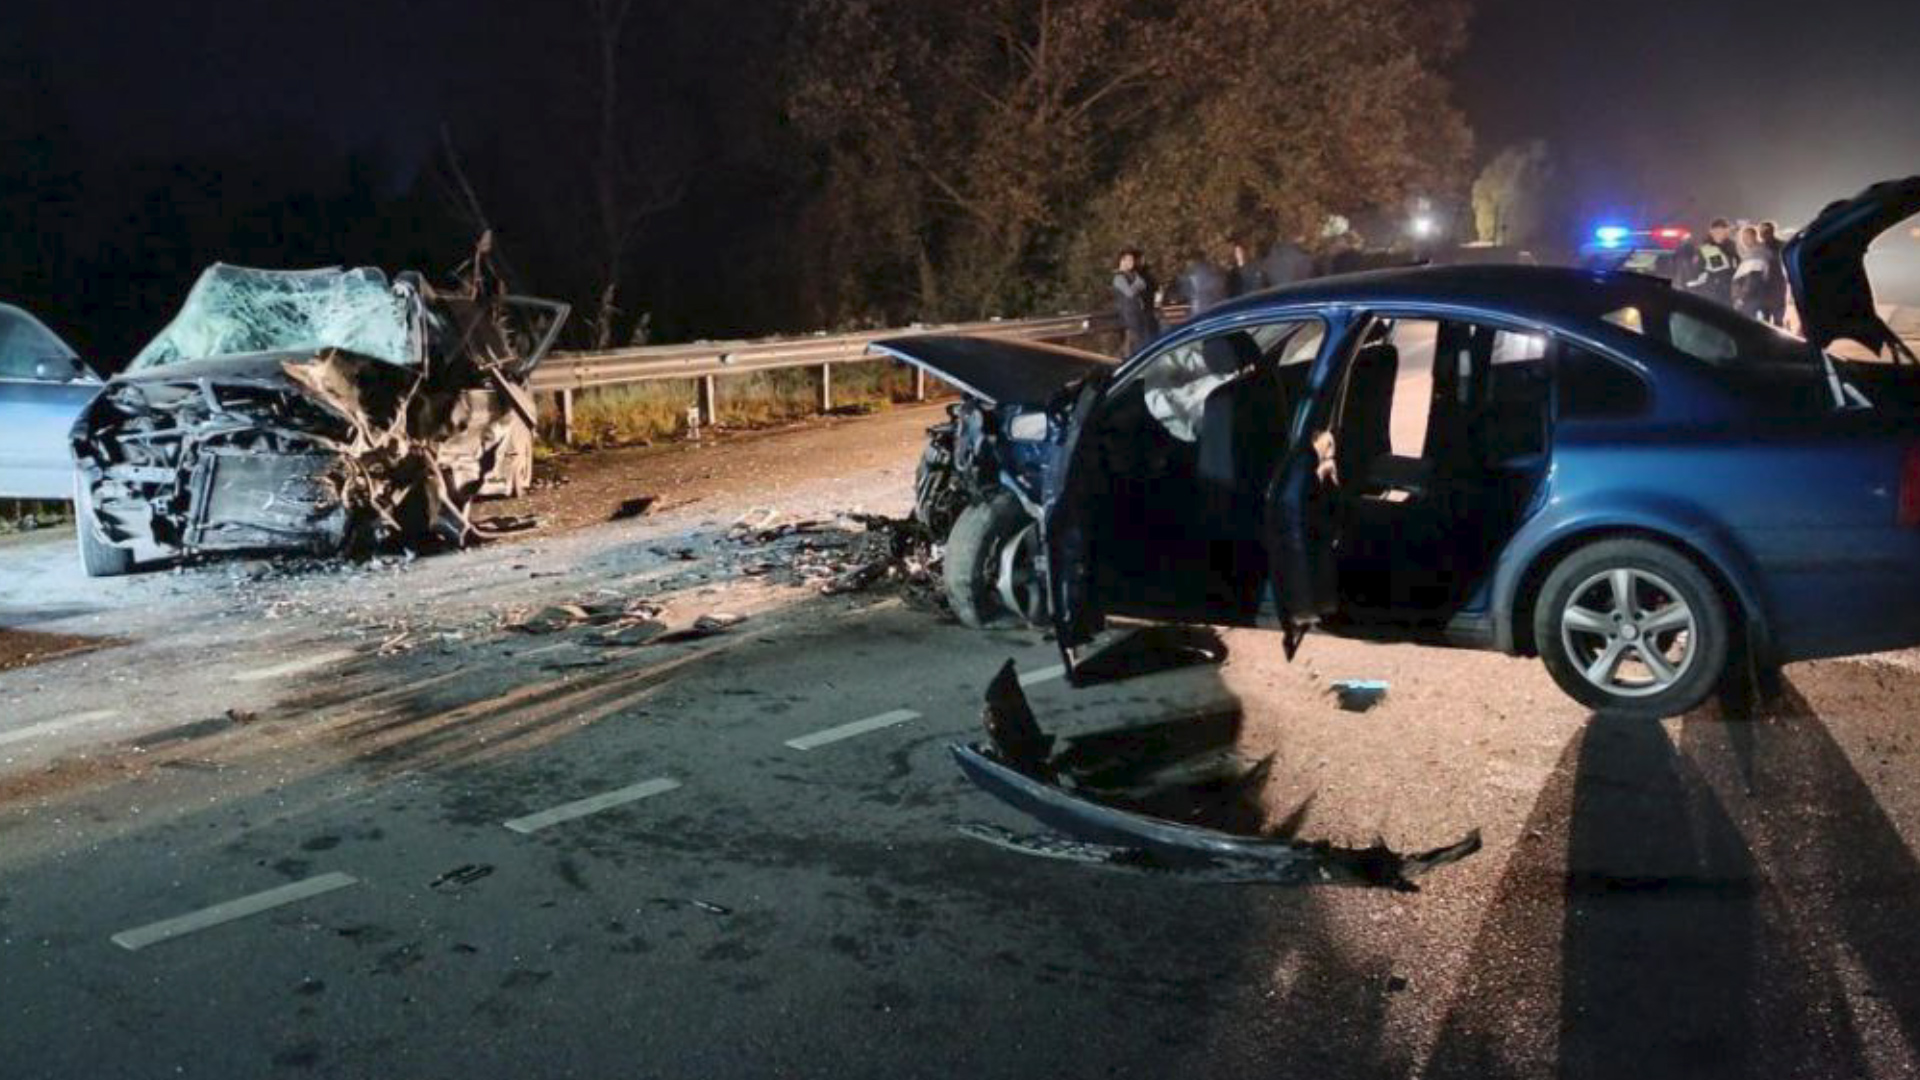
{"x": 43, "y": 387}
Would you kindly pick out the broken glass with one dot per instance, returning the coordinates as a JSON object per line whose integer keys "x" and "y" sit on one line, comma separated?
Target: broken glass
{"x": 235, "y": 311}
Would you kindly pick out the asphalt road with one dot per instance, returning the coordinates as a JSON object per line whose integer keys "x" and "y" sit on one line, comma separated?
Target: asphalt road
{"x": 395, "y": 779}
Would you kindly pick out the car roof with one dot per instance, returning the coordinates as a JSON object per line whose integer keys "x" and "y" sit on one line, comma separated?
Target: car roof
{"x": 1542, "y": 293}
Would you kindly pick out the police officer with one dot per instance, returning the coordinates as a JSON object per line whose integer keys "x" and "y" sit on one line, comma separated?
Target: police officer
{"x": 1705, "y": 267}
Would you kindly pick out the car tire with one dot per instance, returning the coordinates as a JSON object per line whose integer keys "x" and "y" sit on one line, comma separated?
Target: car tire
{"x": 1660, "y": 652}
{"x": 97, "y": 557}
{"x": 972, "y": 566}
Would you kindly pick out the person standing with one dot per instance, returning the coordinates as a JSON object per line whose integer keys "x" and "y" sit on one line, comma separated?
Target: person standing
{"x": 1774, "y": 306}
{"x": 1750, "y": 275}
{"x": 1287, "y": 262}
{"x": 1705, "y": 267}
{"x": 1247, "y": 276}
{"x": 1202, "y": 285}
{"x": 1133, "y": 302}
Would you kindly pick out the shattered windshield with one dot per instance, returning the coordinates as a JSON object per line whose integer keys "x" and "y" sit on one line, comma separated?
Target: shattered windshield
{"x": 234, "y": 311}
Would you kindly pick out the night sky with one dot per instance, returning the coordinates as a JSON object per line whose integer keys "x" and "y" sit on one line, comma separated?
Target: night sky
{"x": 1656, "y": 108}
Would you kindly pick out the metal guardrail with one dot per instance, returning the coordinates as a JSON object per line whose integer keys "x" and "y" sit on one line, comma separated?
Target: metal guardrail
{"x": 565, "y": 374}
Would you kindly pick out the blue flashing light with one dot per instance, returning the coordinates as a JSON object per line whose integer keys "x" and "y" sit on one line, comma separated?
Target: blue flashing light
{"x": 1611, "y": 235}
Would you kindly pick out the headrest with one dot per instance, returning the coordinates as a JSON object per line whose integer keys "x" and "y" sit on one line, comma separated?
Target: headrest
{"x": 1228, "y": 354}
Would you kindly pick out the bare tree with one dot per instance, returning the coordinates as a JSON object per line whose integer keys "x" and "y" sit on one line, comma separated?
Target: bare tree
{"x": 633, "y": 175}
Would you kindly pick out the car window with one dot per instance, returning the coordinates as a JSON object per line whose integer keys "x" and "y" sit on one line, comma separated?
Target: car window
{"x": 1591, "y": 386}
{"x": 25, "y": 345}
{"x": 1700, "y": 339}
{"x": 1176, "y": 383}
{"x": 1627, "y": 318}
{"x": 1510, "y": 347}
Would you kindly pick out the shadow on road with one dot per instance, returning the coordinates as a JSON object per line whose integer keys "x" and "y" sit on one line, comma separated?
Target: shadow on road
{"x": 1730, "y": 901}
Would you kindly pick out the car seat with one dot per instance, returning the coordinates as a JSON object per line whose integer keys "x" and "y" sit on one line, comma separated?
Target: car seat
{"x": 1366, "y": 417}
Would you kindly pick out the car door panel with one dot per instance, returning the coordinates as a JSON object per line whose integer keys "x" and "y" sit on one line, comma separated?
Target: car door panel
{"x": 35, "y": 462}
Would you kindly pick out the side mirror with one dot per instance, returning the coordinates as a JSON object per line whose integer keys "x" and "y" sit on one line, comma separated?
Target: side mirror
{"x": 58, "y": 369}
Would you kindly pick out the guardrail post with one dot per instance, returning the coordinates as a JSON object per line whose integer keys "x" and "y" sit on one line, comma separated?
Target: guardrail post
{"x": 919, "y": 383}
{"x": 566, "y": 417}
{"x": 709, "y": 401}
{"x": 826, "y": 388}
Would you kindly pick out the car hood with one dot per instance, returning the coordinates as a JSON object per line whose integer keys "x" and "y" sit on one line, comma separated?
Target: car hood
{"x": 996, "y": 370}
{"x": 265, "y": 369}
{"x": 1827, "y": 265}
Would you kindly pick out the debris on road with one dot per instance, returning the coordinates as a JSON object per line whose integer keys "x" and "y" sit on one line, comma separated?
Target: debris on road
{"x": 556, "y": 618}
{"x": 633, "y": 508}
{"x": 1359, "y": 695}
{"x": 705, "y": 626}
{"x": 850, "y": 553}
{"x": 460, "y": 877}
{"x": 1097, "y": 820}
{"x": 704, "y": 905}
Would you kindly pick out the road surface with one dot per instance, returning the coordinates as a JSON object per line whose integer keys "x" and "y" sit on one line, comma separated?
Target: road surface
{"x": 350, "y": 823}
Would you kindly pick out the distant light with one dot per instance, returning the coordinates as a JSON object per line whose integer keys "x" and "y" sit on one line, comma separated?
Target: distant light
{"x": 1611, "y": 235}
{"x": 1424, "y": 226}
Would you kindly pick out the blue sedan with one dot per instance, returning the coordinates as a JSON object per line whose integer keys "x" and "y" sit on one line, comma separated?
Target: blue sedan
{"x": 43, "y": 387}
{"x": 1645, "y": 489}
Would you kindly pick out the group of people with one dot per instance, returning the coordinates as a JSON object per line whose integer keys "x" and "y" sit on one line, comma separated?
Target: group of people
{"x": 1742, "y": 269}
{"x": 1201, "y": 285}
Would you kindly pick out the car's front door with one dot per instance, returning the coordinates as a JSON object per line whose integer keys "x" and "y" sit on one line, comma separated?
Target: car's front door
{"x": 1160, "y": 509}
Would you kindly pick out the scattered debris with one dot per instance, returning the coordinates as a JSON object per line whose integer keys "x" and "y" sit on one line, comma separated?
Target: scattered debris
{"x": 1359, "y": 695}
{"x": 1096, "y": 821}
{"x": 850, "y": 553}
{"x": 705, "y": 626}
{"x": 460, "y": 877}
{"x": 554, "y": 619}
{"x": 629, "y": 635}
{"x": 633, "y": 508}
{"x": 242, "y": 716}
{"x": 704, "y": 905}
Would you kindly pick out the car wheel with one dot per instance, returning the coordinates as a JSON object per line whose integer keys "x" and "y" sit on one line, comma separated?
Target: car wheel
{"x": 97, "y": 557}
{"x": 1633, "y": 629}
{"x": 986, "y": 536}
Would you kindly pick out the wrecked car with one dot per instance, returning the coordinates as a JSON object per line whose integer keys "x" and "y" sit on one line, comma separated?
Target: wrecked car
{"x": 1650, "y": 492}
{"x": 312, "y": 411}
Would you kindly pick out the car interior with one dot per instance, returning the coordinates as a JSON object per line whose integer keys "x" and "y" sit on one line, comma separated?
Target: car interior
{"x": 1183, "y": 454}
{"x": 1441, "y": 436}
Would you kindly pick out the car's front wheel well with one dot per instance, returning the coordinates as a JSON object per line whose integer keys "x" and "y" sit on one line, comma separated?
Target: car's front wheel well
{"x": 1528, "y": 594}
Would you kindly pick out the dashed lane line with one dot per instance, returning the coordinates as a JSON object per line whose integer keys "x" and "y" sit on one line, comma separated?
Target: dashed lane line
{"x": 848, "y": 731}
{"x": 47, "y": 727}
{"x": 294, "y": 667}
{"x": 182, "y": 925}
{"x": 592, "y": 805}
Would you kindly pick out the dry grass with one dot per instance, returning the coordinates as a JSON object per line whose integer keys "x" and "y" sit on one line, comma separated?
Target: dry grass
{"x": 649, "y": 412}
{"x": 26, "y": 515}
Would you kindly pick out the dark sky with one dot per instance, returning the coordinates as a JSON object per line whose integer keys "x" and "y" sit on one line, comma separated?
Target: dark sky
{"x": 1743, "y": 108}
{"x": 1747, "y": 107}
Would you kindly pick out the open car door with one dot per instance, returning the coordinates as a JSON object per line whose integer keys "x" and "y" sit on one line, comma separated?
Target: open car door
{"x": 1065, "y": 533}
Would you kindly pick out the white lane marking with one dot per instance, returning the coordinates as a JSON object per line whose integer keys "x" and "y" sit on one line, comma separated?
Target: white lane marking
{"x": 168, "y": 929}
{"x": 294, "y": 667}
{"x": 848, "y": 731}
{"x": 47, "y": 726}
{"x": 592, "y": 805}
{"x": 1035, "y": 678}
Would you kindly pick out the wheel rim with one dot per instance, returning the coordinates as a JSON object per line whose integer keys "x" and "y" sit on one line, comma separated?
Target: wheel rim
{"x": 1019, "y": 588}
{"x": 1629, "y": 632}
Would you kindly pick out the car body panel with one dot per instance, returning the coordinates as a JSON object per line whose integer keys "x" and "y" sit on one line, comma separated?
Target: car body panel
{"x": 998, "y": 371}
{"x": 43, "y": 386}
{"x": 1826, "y": 266}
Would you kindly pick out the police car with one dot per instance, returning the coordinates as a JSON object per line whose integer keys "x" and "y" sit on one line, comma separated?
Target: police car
{"x": 1638, "y": 251}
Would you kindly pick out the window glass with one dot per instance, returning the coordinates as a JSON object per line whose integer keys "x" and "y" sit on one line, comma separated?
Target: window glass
{"x": 1418, "y": 343}
{"x": 1698, "y": 338}
{"x": 1515, "y": 348}
{"x": 25, "y": 345}
{"x": 1177, "y": 382}
{"x": 1627, "y": 318}
{"x": 1593, "y": 386}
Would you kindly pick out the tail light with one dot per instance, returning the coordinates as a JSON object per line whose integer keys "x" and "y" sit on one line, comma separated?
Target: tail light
{"x": 1910, "y": 489}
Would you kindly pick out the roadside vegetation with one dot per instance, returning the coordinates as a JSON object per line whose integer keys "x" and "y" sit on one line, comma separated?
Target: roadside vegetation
{"x": 651, "y": 412}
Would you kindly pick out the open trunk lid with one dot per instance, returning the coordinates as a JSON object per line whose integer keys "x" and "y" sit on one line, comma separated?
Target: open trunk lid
{"x": 1827, "y": 267}
{"x": 996, "y": 370}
